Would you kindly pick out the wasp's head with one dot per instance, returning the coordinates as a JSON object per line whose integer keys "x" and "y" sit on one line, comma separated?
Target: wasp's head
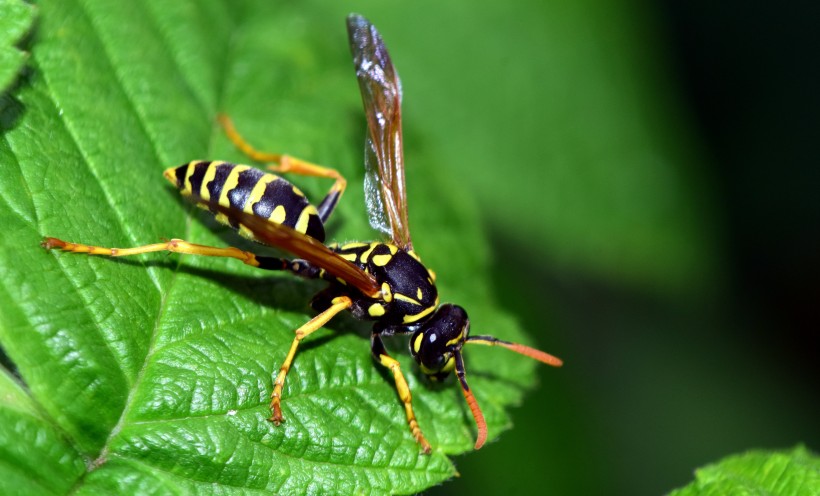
{"x": 437, "y": 343}
{"x": 436, "y": 346}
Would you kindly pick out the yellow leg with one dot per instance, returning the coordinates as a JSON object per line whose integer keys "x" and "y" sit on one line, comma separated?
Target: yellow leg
{"x": 285, "y": 163}
{"x": 407, "y": 399}
{"x": 314, "y": 324}
{"x": 174, "y": 245}
{"x": 377, "y": 348}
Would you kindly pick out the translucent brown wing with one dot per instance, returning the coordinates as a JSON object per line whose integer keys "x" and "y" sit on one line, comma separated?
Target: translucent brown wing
{"x": 306, "y": 248}
{"x": 384, "y": 159}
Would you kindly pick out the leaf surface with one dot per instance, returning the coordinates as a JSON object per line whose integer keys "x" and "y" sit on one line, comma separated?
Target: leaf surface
{"x": 153, "y": 373}
{"x": 795, "y": 472}
{"x": 16, "y": 19}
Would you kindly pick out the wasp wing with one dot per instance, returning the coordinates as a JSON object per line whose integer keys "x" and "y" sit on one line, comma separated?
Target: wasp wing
{"x": 384, "y": 159}
{"x": 304, "y": 247}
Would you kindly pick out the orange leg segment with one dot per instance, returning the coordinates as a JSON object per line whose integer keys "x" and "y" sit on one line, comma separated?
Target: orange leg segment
{"x": 286, "y": 163}
{"x": 174, "y": 245}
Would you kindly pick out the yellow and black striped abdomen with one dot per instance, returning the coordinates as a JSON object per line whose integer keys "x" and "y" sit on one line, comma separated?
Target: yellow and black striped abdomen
{"x": 246, "y": 188}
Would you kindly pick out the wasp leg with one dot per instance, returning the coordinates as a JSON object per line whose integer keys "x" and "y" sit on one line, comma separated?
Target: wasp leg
{"x": 287, "y": 164}
{"x": 377, "y": 348}
{"x": 314, "y": 324}
{"x": 182, "y": 246}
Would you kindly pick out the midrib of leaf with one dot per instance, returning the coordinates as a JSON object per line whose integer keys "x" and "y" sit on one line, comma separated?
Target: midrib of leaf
{"x": 122, "y": 220}
{"x": 168, "y": 292}
{"x": 22, "y": 213}
{"x": 67, "y": 123}
{"x": 129, "y": 402}
{"x": 117, "y": 70}
{"x": 11, "y": 302}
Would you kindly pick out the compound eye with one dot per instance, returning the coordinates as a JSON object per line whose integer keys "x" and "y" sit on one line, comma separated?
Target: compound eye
{"x": 446, "y": 364}
{"x": 434, "y": 361}
{"x": 439, "y": 362}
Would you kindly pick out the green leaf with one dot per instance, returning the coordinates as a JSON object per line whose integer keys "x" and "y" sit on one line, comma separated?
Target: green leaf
{"x": 16, "y": 18}
{"x": 36, "y": 457}
{"x": 795, "y": 472}
{"x": 152, "y": 374}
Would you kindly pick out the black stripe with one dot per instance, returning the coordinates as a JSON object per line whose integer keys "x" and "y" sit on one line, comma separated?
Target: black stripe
{"x": 215, "y": 186}
{"x": 273, "y": 263}
{"x": 293, "y": 210}
{"x": 180, "y": 175}
{"x": 315, "y": 228}
{"x": 276, "y": 192}
{"x": 196, "y": 178}
{"x": 247, "y": 179}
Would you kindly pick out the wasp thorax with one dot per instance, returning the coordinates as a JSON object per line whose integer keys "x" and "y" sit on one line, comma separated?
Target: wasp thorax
{"x": 437, "y": 341}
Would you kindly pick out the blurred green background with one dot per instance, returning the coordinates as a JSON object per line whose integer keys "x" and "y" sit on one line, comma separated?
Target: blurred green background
{"x": 655, "y": 222}
{"x": 647, "y": 174}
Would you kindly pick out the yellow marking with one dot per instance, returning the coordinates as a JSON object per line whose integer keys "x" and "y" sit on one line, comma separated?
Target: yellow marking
{"x": 387, "y": 293}
{"x": 412, "y": 318}
{"x": 375, "y": 310}
{"x": 321, "y": 273}
{"x": 353, "y": 246}
{"x": 406, "y": 298}
{"x": 448, "y": 366}
{"x": 432, "y": 276}
{"x": 278, "y": 214}
{"x": 382, "y": 260}
{"x": 257, "y": 192}
{"x": 393, "y": 249}
{"x": 456, "y": 339}
{"x": 204, "y": 193}
{"x": 417, "y": 343}
{"x": 413, "y": 254}
{"x": 171, "y": 175}
{"x": 221, "y": 218}
{"x": 419, "y": 294}
{"x": 427, "y": 371}
{"x": 342, "y": 281}
{"x": 188, "y": 173}
{"x": 244, "y": 231}
{"x": 364, "y": 256}
{"x": 230, "y": 183}
{"x": 350, "y": 257}
{"x": 304, "y": 217}
{"x": 297, "y": 191}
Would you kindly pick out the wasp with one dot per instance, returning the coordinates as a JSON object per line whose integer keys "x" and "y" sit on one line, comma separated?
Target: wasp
{"x": 381, "y": 281}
